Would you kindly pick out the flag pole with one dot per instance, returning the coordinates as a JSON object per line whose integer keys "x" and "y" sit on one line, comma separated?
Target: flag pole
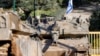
{"x": 14, "y": 5}
{"x": 34, "y": 9}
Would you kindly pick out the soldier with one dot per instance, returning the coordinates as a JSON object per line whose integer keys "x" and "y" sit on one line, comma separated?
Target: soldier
{"x": 37, "y": 28}
{"x": 36, "y": 22}
{"x": 55, "y": 34}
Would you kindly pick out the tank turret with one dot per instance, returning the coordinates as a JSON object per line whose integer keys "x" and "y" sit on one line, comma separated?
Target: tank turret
{"x": 15, "y": 37}
{"x": 72, "y": 35}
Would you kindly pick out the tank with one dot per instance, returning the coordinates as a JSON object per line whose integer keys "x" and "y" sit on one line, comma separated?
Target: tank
{"x": 70, "y": 36}
{"x": 15, "y": 37}
{"x": 61, "y": 37}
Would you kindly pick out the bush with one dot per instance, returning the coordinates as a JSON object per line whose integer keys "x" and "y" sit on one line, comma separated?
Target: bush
{"x": 95, "y": 21}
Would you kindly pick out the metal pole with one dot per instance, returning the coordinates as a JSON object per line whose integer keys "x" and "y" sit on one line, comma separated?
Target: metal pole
{"x": 14, "y": 5}
{"x": 34, "y": 8}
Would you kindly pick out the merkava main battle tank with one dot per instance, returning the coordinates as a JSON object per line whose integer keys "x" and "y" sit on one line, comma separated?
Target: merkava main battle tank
{"x": 68, "y": 35}
{"x": 15, "y": 37}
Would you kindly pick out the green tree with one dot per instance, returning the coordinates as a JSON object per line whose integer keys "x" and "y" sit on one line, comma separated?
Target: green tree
{"x": 31, "y": 5}
{"x": 27, "y": 6}
{"x": 95, "y": 21}
{"x": 5, "y": 3}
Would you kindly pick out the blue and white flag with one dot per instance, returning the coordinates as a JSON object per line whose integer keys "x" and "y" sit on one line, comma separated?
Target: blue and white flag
{"x": 70, "y": 7}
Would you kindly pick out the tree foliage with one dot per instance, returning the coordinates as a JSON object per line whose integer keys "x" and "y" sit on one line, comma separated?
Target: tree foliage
{"x": 50, "y": 6}
{"x": 26, "y": 4}
{"x": 95, "y": 21}
{"x": 94, "y": 0}
{"x": 5, "y": 3}
{"x": 41, "y": 3}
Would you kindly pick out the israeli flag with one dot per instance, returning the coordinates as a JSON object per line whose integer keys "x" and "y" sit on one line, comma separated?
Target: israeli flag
{"x": 70, "y": 7}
